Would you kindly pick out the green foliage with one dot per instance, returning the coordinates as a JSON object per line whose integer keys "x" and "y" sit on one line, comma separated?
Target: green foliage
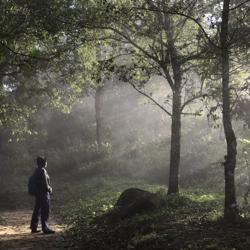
{"x": 93, "y": 229}
{"x": 53, "y": 52}
{"x": 191, "y": 220}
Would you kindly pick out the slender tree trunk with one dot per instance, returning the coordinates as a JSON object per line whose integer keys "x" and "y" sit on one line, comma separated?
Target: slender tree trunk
{"x": 173, "y": 186}
{"x": 230, "y": 210}
{"x": 98, "y": 115}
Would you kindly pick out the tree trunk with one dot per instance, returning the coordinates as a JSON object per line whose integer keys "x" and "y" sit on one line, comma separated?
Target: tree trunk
{"x": 231, "y": 212}
{"x": 173, "y": 185}
{"x": 98, "y": 115}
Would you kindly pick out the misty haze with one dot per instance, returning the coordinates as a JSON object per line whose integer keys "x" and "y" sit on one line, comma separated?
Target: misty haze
{"x": 125, "y": 125}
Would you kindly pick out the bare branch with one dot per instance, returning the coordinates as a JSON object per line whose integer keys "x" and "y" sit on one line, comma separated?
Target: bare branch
{"x": 194, "y": 114}
{"x": 195, "y": 56}
{"x": 114, "y": 57}
{"x": 239, "y": 5}
{"x": 192, "y": 99}
{"x": 150, "y": 98}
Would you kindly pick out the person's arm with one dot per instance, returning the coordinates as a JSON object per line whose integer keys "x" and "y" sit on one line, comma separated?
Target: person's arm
{"x": 45, "y": 183}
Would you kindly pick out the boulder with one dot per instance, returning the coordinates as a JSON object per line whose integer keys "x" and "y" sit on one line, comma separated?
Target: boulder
{"x": 134, "y": 200}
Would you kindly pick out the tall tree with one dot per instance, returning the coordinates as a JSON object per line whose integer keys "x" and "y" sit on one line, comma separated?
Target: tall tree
{"x": 142, "y": 40}
{"x": 159, "y": 37}
{"x": 231, "y": 210}
{"x": 139, "y": 37}
{"x": 152, "y": 42}
{"x": 229, "y": 38}
{"x": 232, "y": 41}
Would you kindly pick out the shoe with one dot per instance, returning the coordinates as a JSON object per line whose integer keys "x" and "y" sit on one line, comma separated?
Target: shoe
{"x": 34, "y": 231}
{"x": 49, "y": 231}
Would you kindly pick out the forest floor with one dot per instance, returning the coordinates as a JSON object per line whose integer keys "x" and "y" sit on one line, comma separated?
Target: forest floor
{"x": 189, "y": 221}
{"x": 15, "y": 233}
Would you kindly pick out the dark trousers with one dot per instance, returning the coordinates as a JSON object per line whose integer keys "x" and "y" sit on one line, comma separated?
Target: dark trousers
{"x": 42, "y": 207}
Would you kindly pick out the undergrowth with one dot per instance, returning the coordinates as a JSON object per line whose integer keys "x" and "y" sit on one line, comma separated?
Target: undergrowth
{"x": 191, "y": 220}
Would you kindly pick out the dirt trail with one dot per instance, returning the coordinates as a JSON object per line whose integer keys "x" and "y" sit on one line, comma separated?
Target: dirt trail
{"x": 15, "y": 233}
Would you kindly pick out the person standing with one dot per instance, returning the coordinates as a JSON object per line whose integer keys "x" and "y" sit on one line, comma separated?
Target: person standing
{"x": 42, "y": 198}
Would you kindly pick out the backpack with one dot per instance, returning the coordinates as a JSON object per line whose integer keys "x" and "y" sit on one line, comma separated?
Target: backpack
{"x": 32, "y": 185}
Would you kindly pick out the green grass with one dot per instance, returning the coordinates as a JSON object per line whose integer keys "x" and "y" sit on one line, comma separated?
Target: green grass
{"x": 98, "y": 196}
{"x": 191, "y": 220}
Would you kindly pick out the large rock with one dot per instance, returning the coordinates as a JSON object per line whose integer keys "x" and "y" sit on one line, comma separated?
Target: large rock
{"x": 133, "y": 201}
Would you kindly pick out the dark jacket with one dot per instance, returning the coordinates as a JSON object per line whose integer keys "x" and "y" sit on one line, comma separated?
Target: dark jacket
{"x": 43, "y": 182}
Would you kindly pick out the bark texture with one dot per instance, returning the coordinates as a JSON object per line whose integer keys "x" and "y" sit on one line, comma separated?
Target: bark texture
{"x": 230, "y": 210}
{"x": 173, "y": 185}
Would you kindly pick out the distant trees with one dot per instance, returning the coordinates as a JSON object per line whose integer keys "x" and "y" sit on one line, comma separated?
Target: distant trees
{"x": 145, "y": 41}
{"x": 135, "y": 40}
{"x": 149, "y": 38}
{"x": 153, "y": 33}
{"x": 98, "y": 116}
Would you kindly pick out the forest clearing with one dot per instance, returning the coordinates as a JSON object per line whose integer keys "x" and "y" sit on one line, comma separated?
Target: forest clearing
{"x": 186, "y": 222}
{"x": 124, "y": 124}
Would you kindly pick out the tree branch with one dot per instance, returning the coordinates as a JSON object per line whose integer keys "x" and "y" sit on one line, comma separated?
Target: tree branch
{"x": 24, "y": 55}
{"x": 168, "y": 77}
{"x": 191, "y": 100}
{"x": 127, "y": 38}
{"x": 195, "y": 20}
{"x": 10, "y": 73}
{"x": 194, "y": 114}
{"x": 150, "y": 98}
{"x": 239, "y": 5}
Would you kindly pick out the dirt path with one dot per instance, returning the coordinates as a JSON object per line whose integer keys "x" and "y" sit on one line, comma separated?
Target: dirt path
{"x": 15, "y": 233}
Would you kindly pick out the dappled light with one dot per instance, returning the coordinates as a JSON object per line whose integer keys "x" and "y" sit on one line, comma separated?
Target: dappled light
{"x": 125, "y": 125}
